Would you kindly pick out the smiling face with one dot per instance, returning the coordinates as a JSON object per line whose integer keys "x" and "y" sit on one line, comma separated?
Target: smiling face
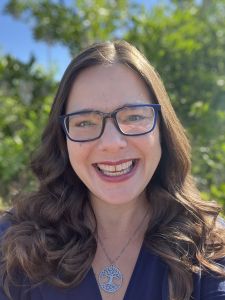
{"x": 115, "y": 168}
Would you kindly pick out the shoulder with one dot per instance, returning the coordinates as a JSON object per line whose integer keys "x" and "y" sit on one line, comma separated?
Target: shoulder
{"x": 21, "y": 289}
{"x": 210, "y": 286}
{"x": 5, "y": 222}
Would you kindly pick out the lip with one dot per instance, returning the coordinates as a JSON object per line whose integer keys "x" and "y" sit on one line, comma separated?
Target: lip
{"x": 119, "y": 178}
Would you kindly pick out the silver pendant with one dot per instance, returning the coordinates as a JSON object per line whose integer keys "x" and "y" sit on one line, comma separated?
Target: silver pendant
{"x": 110, "y": 279}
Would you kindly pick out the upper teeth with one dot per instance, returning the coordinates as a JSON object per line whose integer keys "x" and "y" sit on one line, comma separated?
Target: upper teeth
{"x": 115, "y": 168}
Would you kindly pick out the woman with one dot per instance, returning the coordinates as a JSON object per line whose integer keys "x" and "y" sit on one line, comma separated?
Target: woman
{"x": 116, "y": 215}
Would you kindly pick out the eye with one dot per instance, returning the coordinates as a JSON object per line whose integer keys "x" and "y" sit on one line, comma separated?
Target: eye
{"x": 85, "y": 124}
{"x": 135, "y": 118}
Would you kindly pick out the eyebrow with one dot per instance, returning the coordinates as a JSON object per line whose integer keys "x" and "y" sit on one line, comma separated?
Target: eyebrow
{"x": 88, "y": 109}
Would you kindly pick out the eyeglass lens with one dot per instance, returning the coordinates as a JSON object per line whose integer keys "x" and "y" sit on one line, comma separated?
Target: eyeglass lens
{"x": 130, "y": 120}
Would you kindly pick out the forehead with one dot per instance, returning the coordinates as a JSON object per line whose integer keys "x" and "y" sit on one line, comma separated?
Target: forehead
{"x": 107, "y": 87}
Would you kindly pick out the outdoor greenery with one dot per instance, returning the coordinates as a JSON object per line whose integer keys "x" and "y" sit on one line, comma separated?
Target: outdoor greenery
{"x": 184, "y": 40}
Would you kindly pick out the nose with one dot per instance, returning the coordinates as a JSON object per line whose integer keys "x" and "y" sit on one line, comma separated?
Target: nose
{"x": 111, "y": 140}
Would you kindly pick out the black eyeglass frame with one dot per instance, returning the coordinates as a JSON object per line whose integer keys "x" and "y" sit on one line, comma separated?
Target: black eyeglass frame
{"x": 111, "y": 115}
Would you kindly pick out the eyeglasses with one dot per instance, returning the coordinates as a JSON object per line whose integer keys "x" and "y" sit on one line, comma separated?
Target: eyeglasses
{"x": 130, "y": 120}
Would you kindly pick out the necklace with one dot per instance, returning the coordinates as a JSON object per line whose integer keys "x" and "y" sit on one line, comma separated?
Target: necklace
{"x": 110, "y": 278}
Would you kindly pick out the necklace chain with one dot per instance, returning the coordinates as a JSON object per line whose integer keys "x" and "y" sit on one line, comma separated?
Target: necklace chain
{"x": 112, "y": 262}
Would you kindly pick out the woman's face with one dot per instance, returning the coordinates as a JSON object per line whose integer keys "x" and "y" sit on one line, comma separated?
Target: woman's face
{"x": 106, "y": 88}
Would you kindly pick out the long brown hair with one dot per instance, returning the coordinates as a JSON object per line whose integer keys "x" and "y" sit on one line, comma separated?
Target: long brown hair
{"x": 49, "y": 238}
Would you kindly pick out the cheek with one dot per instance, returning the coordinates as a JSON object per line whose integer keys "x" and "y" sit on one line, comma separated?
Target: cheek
{"x": 76, "y": 153}
{"x": 154, "y": 140}
{"x": 157, "y": 146}
{"x": 79, "y": 155}
{"x": 153, "y": 149}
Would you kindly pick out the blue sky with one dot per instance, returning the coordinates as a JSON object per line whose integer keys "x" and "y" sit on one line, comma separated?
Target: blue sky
{"x": 16, "y": 39}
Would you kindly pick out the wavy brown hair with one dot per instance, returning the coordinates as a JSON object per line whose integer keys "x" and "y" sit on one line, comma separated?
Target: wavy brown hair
{"x": 50, "y": 238}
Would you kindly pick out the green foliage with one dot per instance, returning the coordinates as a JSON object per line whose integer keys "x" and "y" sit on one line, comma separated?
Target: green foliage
{"x": 186, "y": 46}
{"x": 75, "y": 26}
{"x": 25, "y": 97}
{"x": 185, "y": 41}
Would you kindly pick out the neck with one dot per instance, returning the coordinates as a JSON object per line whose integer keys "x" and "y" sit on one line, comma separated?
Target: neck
{"x": 117, "y": 221}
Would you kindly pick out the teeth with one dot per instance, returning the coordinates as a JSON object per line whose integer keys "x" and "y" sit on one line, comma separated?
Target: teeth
{"x": 113, "y": 174}
{"x": 116, "y": 170}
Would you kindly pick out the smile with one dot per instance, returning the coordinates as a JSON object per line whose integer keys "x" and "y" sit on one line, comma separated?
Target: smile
{"x": 114, "y": 170}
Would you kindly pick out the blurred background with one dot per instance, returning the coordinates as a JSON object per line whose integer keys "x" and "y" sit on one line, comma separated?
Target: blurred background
{"x": 184, "y": 40}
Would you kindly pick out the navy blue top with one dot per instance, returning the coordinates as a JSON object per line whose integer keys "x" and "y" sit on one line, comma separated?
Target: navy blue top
{"x": 149, "y": 281}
